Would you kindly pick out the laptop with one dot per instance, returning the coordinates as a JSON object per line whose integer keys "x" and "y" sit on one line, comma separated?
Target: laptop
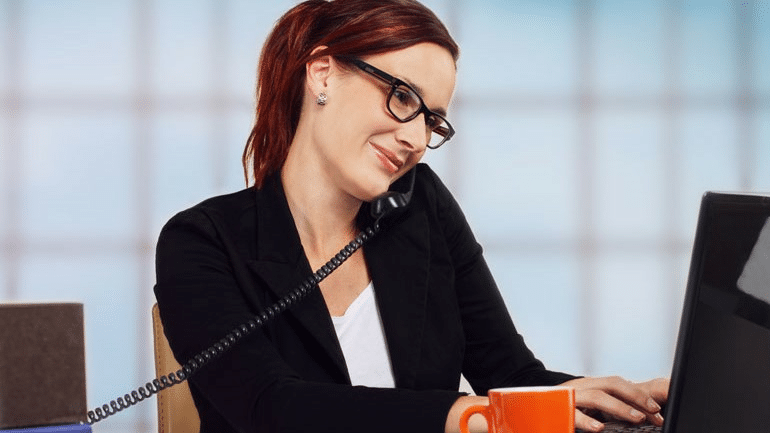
{"x": 720, "y": 380}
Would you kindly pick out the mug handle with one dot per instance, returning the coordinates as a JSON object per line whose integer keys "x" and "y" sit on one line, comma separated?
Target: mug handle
{"x": 468, "y": 412}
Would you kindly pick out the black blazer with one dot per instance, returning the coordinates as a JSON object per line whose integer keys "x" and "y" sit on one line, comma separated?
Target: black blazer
{"x": 224, "y": 260}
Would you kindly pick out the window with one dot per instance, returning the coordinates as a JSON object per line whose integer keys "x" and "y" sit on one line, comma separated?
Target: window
{"x": 587, "y": 132}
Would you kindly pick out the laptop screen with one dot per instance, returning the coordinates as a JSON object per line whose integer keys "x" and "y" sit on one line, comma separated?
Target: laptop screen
{"x": 721, "y": 377}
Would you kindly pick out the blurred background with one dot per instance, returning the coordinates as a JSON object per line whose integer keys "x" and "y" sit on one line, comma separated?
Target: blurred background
{"x": 587, "y": 132}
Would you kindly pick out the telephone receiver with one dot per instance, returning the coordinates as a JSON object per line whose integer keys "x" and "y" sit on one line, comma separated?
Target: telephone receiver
{"x": 387, "y": 205}
{"x": 394, "y": 200}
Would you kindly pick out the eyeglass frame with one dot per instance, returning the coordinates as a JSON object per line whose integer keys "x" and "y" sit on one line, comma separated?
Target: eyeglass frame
{"x": 395, "y": 83}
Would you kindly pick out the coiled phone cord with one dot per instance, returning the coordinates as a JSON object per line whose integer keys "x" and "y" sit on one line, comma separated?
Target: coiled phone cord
{"x": 218, "y": 348}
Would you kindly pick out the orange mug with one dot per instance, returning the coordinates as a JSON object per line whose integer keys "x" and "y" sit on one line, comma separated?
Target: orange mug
{"x": 536, "y": 409}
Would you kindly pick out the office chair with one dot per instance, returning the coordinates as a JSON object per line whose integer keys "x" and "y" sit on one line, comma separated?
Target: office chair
{"x": 176, "y": 410}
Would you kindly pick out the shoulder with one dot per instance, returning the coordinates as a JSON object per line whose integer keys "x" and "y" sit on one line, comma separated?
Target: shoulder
{"x": 426, "y": 177}
{"x": 215, "y": 213}
{"x": 205, "y": 235}
{"x": 429, "y": 187}
{"x": 432, "y": 197}
{"x": 234, "y": 203}
{"x": 431, "y": 193}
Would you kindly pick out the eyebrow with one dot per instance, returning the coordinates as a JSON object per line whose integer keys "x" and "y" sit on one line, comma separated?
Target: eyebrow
{"x": 414, "y": 86}
{"x": 362, "y": 64}
{"x": 420, "y": 92}
{"x": 439, "y": 111}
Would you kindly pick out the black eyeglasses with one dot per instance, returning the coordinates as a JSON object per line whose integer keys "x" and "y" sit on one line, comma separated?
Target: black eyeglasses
{"x": 408, "y": 104}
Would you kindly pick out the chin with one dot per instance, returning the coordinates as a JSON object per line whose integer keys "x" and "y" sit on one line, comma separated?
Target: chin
{"x": 373, "y": 189}
{"x": 370, "y": 195}
{"x": 375, "y": 183}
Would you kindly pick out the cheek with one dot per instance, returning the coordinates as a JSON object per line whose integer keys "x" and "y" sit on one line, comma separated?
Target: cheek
{"x": 416, "y": 157}
{"x": 364, "y": 109}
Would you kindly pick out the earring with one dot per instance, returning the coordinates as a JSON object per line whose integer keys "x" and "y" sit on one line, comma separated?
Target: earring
{"x": 321, "y": 100}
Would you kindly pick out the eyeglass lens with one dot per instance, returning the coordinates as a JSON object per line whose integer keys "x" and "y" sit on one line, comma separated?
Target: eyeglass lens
{"x": 405, "y": 105}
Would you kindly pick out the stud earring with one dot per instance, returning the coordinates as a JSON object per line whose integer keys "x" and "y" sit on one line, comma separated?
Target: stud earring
{"x": 321, "y": 100}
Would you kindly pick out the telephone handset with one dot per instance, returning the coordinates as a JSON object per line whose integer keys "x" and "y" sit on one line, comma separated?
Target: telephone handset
{"x": 386, "y": 205}
{"x": 394, "y": 200}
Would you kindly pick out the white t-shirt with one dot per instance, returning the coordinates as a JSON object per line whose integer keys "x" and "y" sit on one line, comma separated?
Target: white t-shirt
{"x": 362, "y": 338}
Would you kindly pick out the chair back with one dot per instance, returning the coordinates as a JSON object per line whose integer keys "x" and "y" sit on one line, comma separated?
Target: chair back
{"x": 176, "y": 410}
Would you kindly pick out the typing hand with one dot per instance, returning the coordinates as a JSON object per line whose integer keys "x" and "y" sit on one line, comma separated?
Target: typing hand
{"x": 617, "y": 398}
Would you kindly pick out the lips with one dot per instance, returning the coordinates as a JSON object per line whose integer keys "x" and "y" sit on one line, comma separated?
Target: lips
{"x": 388, "y": 159}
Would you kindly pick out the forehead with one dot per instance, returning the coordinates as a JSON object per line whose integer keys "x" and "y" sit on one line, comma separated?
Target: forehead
{"x": 427, "y": 67}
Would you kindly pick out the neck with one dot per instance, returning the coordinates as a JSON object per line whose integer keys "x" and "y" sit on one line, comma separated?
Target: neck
{"x": 324, "y": 215}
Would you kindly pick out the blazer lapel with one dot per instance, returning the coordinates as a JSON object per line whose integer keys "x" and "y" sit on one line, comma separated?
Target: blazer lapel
{"x": 281, "y": 263}
{"x": 398, "y": 260}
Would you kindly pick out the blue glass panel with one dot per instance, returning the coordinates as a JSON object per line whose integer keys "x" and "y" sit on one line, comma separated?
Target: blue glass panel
{"x": 519, "y": 174}
{"x": 761, "y": 26}
{"x": 710, "y": 160}
{"x": 762, "y": 164}
{"x": 195, "y": 157}
{"x": 4, "y": 295}
{"x": 183, "y": 152}
{"x": 183, "y": 56}
{"x": 107, "y": 286}
{"x": 708, "y": 61}
{"x": 230, "y": 174}
{"x": 542, "y": 296}
{"x": 629, "y": 47}
{"x": 445, "y": 11}
{"x": 680, "y": 266}
{"x": 79, "y": 48}
{"x": 449, "y": 160}
{"x": 7, "y": 34}
{"x": 631, "y": 324}
{"x": 517, "y": 47}
{"x": 4, "y": 195}
{"x": 78, "y": 175}
{"x": 629, "y": 175}
{"x": 248, "y": 24}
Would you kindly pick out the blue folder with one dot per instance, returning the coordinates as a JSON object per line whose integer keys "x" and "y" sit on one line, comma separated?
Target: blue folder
{"x": 70, "y": 428}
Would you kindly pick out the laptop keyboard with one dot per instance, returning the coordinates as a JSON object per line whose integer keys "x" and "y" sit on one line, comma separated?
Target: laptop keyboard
{"x": 626, "y": 428}
{"x": 618, "y": 427}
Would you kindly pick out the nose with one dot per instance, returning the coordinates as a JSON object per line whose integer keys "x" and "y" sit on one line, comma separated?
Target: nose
{"x": 414, "y": 134}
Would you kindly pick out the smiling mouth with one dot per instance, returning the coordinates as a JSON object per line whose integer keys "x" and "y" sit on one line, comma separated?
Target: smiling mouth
{"x": 388, "y": 159}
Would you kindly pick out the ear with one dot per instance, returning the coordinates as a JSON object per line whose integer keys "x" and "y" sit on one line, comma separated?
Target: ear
{"x": 317, "y": 72}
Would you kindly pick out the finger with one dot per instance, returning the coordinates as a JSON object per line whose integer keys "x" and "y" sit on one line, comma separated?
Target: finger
{"x": 658, "y": 389}
{"x": 597, "y": 399}
{"x": 655, "y": 419}
{"x": 638, "y": 395}
{"x": 585, "y": 422}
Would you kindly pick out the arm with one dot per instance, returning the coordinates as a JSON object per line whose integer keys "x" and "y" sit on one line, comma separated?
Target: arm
{"x": 496, "y": 355}
{"x": 476, "y": 423}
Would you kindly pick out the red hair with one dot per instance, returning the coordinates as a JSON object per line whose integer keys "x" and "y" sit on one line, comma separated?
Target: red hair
{"x": 348, "y": 28}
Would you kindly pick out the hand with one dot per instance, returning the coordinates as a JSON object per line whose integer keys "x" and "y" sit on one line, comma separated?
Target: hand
{"x": 618, "y": 398}
{"x": 476, "y": 424}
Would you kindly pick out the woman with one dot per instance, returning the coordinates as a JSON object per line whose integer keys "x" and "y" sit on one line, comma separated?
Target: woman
{"x": 350, "y": 95}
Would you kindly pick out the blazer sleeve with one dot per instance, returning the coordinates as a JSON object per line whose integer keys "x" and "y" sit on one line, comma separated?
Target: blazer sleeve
{"x": 495, "y": 353}
{"x": 250, "y": 387}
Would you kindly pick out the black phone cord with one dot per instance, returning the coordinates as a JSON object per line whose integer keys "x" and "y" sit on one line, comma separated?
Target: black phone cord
{"x": 206, "y": 356}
